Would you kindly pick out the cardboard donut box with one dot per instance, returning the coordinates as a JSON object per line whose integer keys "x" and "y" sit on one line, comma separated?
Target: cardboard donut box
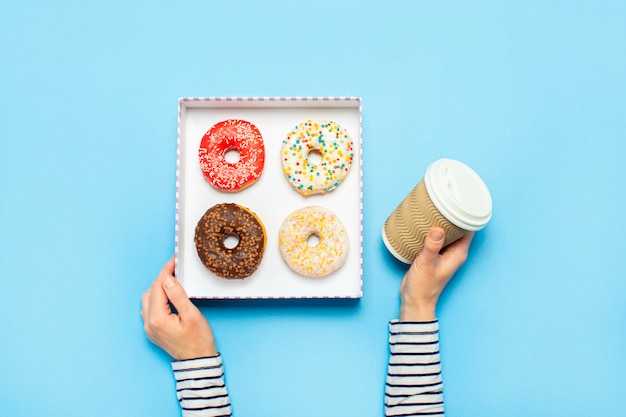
{"x": 271, "y": 197}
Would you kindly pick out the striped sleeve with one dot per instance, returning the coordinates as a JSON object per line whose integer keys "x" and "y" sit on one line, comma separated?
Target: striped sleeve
{"x": 200, "y": 387}
{"x": 414, "y": 385}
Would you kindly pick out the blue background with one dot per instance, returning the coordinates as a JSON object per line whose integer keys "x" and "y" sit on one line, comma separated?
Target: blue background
{"x": 531, "y": 94}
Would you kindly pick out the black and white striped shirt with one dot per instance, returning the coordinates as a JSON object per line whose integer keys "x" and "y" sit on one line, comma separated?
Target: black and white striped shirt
{"x": 200, "y": 387}
{"x": 414, "y": 385}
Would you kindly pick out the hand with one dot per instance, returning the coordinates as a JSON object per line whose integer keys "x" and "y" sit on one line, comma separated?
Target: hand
{"x": 428, "y": 275}
{"x": 185, "y": 335}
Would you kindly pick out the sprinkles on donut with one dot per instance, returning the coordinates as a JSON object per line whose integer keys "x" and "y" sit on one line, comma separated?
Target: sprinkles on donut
{"x": 232, "y": 135}
{"x": 331, "y": 142}
{"x": 313, "y": 259}
{"x": 230, "y": 220}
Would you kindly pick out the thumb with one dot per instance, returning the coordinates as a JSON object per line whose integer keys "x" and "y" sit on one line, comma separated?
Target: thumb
{"x": 433, "y": 243}
{"x": 177, "y": 295}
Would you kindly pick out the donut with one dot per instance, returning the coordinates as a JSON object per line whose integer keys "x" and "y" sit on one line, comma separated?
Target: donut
{"x": 230, "y": 220}
{"x": 329, "y": 140}
{"x": 298, "y": 253}
{"x": 232, "y": 135}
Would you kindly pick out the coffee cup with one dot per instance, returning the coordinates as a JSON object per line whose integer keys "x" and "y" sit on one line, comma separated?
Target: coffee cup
{"x": 451, "y": 196}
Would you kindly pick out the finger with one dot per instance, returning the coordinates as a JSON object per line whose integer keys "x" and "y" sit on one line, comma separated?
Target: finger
{"x": 466, "y": 239}
{"x": 177, "y": 296}
{"x": 158, "y": 301}
{"x": 456, "y": 253}
{"x": 168, "y": 268}
{"x": 460, "y": 247}
{"x": 145, "y": 304}
{"x": 433, "y": 243}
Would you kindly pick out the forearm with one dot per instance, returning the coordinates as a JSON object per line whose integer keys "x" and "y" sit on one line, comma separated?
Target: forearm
{"x": 201, "y": 388}
{"x": 414, "y": 384}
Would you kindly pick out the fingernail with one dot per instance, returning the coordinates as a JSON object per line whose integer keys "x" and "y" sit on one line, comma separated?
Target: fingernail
{"x": 169, "y": 282}
{"x": 436, "y": 235}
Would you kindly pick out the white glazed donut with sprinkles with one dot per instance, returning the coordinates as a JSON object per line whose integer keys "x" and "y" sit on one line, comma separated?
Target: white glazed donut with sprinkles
{"x": 328, "y": 139}
{"x": 327, "y": 256}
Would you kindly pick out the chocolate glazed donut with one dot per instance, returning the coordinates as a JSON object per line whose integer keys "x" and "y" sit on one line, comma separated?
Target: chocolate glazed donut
{"x": 215, "y": 226}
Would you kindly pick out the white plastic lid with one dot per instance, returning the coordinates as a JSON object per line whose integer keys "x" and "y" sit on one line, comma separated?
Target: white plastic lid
{"x": 458, "y": 193}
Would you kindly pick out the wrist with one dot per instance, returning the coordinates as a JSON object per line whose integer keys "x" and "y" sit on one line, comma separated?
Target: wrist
{"x": 424, "y": 312}
{"x": 203, "y": 350}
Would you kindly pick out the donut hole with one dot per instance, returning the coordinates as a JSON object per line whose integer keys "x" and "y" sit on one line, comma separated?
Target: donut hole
{"x": 230, "y": 240}
{"x": 232, "y": 155}
{"x": 314, "y": 157}
{"x": 313, "y": 240}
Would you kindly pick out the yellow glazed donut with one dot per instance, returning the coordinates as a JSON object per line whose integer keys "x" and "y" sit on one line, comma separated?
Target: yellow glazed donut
{"x": 297, "y": 252}
{"x": 328, "y": 139}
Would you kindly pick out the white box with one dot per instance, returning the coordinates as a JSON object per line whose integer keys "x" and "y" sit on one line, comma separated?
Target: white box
{"x": 271, "y": 197}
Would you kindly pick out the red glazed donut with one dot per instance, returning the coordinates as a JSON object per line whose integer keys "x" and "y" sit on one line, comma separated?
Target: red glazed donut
{"x": 232, "y": 134}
